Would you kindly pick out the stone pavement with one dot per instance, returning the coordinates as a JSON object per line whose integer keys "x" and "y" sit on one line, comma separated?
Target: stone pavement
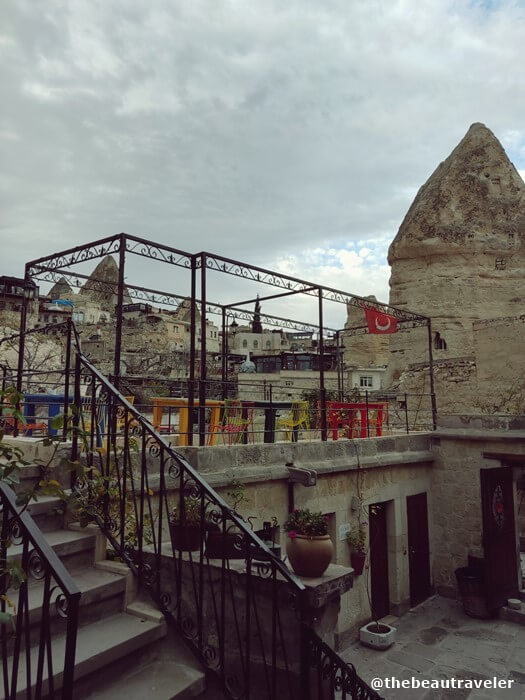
{"x": 437, "y": 640}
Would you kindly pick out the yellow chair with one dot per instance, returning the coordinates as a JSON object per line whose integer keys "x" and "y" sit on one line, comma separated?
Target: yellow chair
{"x": 237, "y": 420}
{"x": 297, "y": 418}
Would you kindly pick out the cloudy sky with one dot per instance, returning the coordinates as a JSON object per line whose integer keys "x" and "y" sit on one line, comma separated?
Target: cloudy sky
{"x": 292, "y": 135}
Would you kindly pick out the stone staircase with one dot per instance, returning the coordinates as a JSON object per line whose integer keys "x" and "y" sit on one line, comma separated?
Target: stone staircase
{"x": 124, "y": 646}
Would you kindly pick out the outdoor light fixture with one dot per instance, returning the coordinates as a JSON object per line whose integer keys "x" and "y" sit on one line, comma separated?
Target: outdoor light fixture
{"x": 29, "y": 290}
{"x": 298, "y": 475}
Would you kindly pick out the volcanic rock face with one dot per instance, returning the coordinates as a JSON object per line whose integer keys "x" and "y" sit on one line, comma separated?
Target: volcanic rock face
{"x": 459, "y": 255}
{"x": 61, "y": 290}
{"x": 363, "y": 350}
{"x": 102, "y": 285}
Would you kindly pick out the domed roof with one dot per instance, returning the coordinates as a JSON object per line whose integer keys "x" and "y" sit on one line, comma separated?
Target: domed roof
{"x": 248, "y": 367}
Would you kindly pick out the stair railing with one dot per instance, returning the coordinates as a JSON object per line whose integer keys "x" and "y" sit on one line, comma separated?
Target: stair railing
{"x": 28, "y": 660}
{"x": 236, "y": 603}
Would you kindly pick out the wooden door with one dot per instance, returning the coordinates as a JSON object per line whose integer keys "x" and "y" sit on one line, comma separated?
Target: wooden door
{"x": 418, "y": 548}
{"x": 499, "y": 536}
{"x": 379, "y": 588}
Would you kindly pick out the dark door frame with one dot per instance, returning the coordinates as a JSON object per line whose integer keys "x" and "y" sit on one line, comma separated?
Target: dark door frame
{"x": 500, "y": 541}
{"x": 418, "y": 539}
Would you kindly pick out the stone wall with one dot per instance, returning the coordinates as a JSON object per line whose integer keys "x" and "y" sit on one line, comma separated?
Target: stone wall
{"x": 458, "y": 448}
{"x": 384, "y": 469}
{"x": 498, "y": 347}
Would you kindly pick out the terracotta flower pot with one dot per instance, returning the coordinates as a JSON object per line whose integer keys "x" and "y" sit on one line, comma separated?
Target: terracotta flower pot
{"x": 187, "y": 538}
{"x": 309, "y": 556}
{"x": 357, "y": 559}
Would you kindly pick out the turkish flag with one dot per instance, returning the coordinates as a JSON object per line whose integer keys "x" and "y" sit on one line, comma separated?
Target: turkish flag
{"x": 380, "y": 323}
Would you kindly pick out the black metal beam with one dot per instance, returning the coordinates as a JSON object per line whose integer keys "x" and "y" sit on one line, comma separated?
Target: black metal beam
{"x": 271, "y": 296}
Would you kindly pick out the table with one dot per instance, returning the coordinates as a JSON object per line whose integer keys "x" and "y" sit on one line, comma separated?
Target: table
{"x": 335, "y": 417}
{"x": 270, "y": 413}
{"x": 162, "y": 402}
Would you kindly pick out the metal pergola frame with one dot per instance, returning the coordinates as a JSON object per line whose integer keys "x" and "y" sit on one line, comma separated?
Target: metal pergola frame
{"x": 50, "y": 267}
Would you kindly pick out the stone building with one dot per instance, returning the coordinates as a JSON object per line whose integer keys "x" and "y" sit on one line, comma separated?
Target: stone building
{"x": 458, "y": 257}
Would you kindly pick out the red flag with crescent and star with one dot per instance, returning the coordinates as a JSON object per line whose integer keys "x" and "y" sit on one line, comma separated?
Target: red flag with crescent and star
{"x": 380, "y": 323}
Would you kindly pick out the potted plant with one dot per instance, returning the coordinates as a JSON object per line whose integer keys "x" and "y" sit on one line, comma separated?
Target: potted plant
{"x": 309, "y": 547}
{"x": 356, "y": 538}
{"x": 187, "y": 532}
{"x": 227, "y": 544}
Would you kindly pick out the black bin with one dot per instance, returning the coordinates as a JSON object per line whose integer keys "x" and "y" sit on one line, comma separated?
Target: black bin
{"x": 472, "y": 589}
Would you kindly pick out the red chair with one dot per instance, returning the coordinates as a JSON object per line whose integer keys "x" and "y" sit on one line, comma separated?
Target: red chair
{"x": 237, "y": 421}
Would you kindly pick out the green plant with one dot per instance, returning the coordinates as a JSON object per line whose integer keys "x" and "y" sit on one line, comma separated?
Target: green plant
{"x": 192, "y": 512}
{"x": 236, "y": 493}
{"x": 356, "y": 538}
{"x": 303, "y": 522}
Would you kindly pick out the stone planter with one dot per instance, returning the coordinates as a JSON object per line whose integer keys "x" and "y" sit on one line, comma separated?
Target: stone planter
{"x": 377, "y": 635}
{"x": 357, "y": 560}
{"x": 309, "y": 556}
{"x": 186, "y": 538}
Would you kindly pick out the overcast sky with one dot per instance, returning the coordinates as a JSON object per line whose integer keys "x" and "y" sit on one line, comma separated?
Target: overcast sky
{"x": 292, "y": 135}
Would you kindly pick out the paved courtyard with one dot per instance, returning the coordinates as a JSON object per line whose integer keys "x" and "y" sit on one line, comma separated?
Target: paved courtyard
{"x": 437, "y": 640}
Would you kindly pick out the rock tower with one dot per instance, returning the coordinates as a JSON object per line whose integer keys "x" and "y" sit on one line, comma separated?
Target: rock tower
{"x": 458, "y": 257}
{"x": 105, "y": 294}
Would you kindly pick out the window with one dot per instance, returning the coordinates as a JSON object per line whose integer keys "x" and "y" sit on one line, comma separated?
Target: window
{"x": 255, "y": 344}
{"x": 439, "y": 342}
{"x": 268, "y": 344}
{"x": 245, "y": 343}
{"x": 366, "y": 381}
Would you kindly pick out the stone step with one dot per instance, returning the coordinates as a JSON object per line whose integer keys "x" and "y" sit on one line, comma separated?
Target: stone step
{"x": 76, "y": 549}
{"x": 99, "y": 645}
{"x": 48, "y": 513}
{"x": 158, "y": 680}
{"x": 102, "y": 594}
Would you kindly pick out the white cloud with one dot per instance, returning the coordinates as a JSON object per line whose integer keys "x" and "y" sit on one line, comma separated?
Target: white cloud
{"x": 279, "y": 133}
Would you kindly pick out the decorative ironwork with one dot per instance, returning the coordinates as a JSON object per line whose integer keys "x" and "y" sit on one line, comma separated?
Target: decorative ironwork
{"x": 20, "y": 641}
{"x": 74, "y": 256}
{"x": 158, "y": 515}
{"x": 157, "y": 251}
{"x": 274, "y": 279}
{"x": 328, "y": 677}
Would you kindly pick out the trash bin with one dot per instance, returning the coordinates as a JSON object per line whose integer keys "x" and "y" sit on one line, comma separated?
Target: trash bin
{"x": 472, "y": 589}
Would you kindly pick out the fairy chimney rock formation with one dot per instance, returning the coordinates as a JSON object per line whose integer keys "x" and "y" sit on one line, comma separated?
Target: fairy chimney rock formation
{"x": 363, "y": 350}
{"x": 102, "y": 285}
{"x": 61, "y": 290}
{"x": 459, "y": 256}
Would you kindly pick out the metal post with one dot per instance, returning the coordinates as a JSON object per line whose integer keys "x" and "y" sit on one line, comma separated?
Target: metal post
{"x": 340, "y": 391}
{"x": 118, "y": 310}
{"x": 193, "y": 333}
{"x": 202, "y": 383}
{"x": 367, "y": 415}
{"x": 431, "y": 374}
{"x": 66, "y": 379}
{"x": 76, "y": 416}
{"x": 322, "y": 389}
{"x": 224, "y": 353}
{"x": 22, "y": 338}
{"x": 406, "y": 413}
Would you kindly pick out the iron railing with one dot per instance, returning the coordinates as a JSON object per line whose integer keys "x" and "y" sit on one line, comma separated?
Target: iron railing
{"x": 31, "y": 665}
{"x": 233, "y": 599}
{"x": 328, "y": 676}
